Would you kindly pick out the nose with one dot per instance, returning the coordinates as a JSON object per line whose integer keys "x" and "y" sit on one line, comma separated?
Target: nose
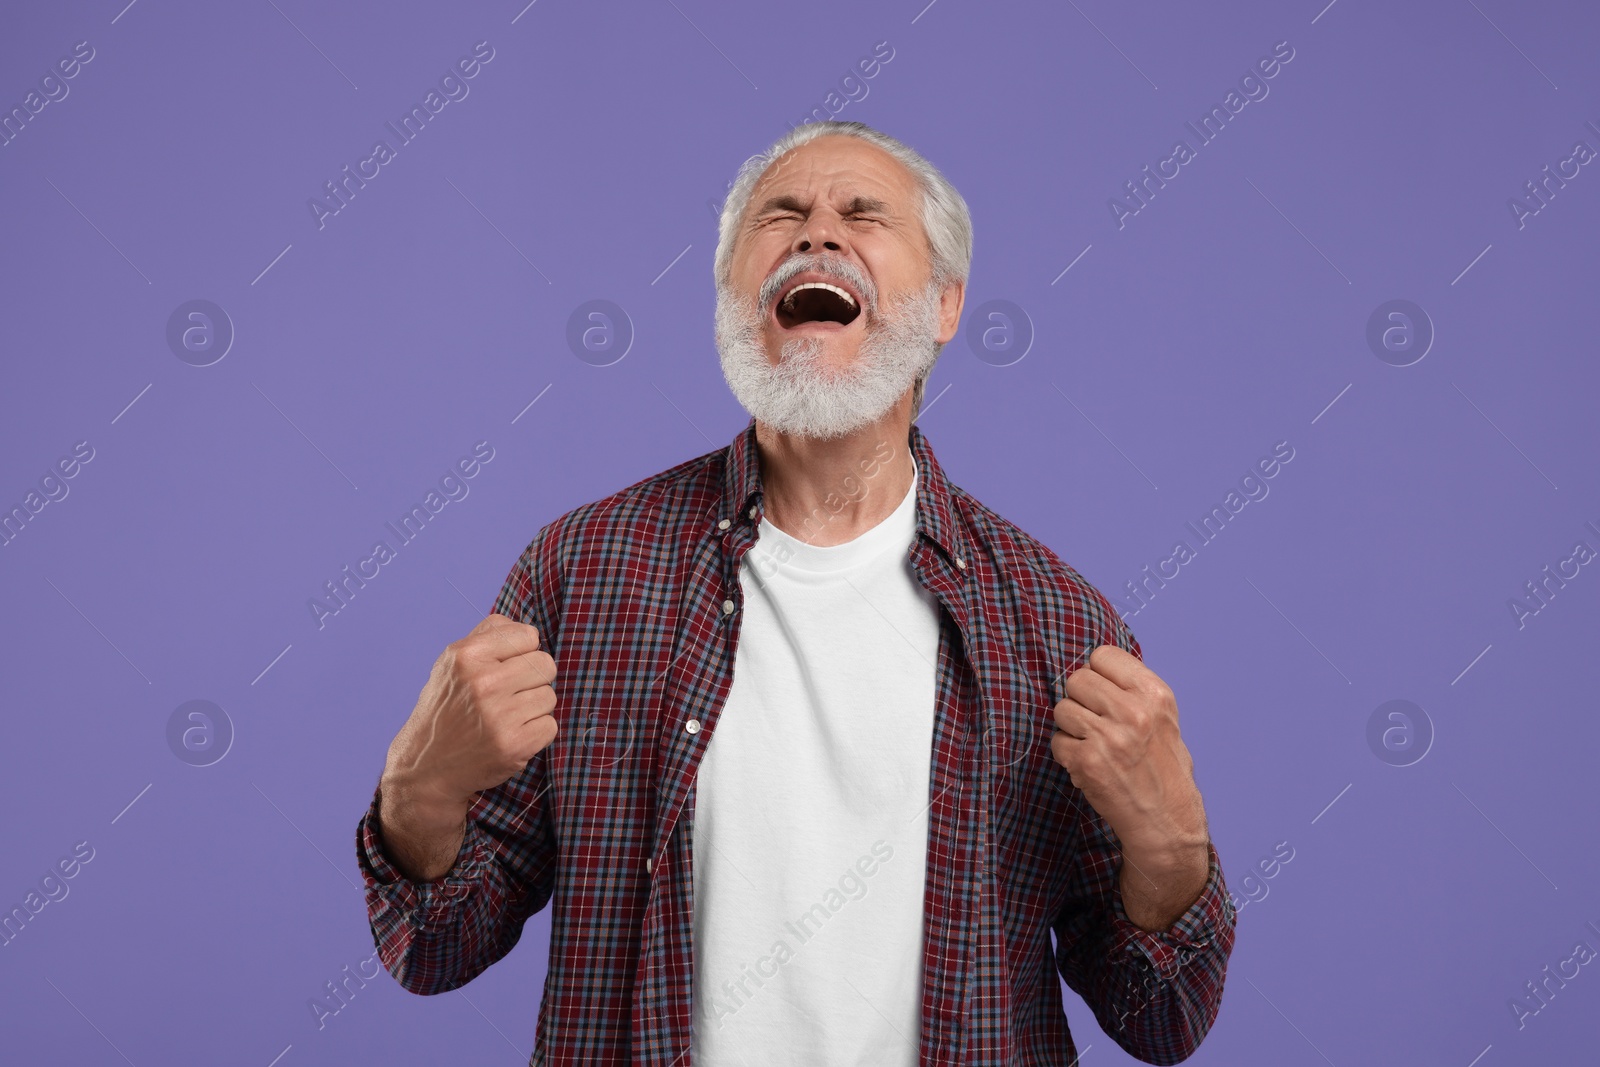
{"x": 819, "y": 232}
{"x": 804, "y": 244}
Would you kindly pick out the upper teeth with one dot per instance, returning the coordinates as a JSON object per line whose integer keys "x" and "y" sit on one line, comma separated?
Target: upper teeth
{"x": 820, "y": 285}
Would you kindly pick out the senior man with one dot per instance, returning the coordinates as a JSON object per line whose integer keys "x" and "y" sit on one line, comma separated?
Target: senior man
{"x": 839, "y": 748}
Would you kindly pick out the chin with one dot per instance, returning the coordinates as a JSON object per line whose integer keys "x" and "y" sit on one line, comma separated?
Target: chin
{"x": 815, "y": 353}
{"x": 824, "y": 383}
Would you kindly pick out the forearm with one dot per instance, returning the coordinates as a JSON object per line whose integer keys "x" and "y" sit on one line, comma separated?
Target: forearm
{"x": 1165, "y": 859}
{"x": 1159, "y": 886}
{"x": 422, "y": 833}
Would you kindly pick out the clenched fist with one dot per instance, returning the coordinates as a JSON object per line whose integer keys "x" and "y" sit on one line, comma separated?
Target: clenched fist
{"x": 1118, "y": 738}
{"x": 484, "y": 713}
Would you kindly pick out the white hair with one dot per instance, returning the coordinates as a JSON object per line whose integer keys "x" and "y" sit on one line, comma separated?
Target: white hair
{"x": 946, "y": 221}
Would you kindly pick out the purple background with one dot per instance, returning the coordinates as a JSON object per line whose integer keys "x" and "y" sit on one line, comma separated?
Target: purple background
{"x": 370, "y": 354}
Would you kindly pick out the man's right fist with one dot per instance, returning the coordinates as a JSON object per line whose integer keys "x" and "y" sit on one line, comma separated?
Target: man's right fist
{"x": 485, "y": 712}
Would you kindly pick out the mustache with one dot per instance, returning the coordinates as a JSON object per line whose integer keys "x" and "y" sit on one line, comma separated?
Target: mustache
{"x": 827, "y": 264}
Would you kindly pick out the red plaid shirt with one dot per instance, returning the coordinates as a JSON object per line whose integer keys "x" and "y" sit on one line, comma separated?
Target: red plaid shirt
{"x": 637, "y": 596}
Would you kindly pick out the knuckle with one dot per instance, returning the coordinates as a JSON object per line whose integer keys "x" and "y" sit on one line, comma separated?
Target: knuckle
{"x": 478, "y": 687}
{"x": 470, "y": 655}
{"x": 453, "y": 658}
{"x": 546, "y": 730}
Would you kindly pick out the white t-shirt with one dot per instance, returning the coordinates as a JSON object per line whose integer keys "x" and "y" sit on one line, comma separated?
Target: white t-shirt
{"x": 811, "y": 809}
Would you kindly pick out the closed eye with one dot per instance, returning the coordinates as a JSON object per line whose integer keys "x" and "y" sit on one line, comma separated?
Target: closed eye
{"x": 852, "y": 215}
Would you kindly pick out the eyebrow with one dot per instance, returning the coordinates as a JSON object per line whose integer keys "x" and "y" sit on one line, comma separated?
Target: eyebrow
{"x": 858, "y": 205}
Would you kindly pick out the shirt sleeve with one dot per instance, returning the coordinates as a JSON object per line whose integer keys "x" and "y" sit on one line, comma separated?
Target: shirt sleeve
{"x": 1154, "y": 993}
{"x": 437, "y": 936}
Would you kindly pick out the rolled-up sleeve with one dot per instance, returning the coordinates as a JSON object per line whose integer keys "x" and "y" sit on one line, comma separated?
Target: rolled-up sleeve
{"x": 438, "y": 935}
{"x": 1191, "y": 933}
{"x": 1155, "y": 993}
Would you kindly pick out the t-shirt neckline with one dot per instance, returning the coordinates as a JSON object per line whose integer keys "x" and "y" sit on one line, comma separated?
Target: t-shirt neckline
{"x": 895, "y": 531}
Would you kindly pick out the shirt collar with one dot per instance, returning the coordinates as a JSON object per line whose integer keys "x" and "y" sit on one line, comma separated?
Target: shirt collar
{"x": 936, "y": 514}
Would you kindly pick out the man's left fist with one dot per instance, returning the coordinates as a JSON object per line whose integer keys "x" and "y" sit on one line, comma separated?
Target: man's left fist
{"x": 1118, "y": 738}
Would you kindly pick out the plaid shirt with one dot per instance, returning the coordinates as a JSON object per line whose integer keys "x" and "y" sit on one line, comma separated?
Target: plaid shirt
{"x": 637, "y": 597}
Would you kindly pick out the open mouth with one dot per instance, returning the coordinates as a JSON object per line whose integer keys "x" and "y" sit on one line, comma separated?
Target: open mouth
{"x": 819, "y": 304}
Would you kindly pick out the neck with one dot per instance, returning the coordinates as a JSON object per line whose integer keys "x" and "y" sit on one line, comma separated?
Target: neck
{"x": 827, "y": 492}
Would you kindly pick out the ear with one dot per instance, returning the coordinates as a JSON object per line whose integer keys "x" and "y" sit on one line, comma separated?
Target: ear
{"x": 951, "y": 300}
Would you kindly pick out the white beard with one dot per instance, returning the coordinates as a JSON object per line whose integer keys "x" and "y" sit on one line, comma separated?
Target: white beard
{"x": 802, "y": 396}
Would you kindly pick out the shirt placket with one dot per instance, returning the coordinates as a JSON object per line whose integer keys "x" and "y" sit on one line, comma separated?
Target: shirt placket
{"x": 956, "y": 840}
{"x": 697, "y": 691}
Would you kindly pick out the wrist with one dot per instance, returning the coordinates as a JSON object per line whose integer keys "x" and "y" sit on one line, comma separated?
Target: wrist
{"x": 1172, "y": 835}
{"x": 422, "y": 804}
{"x": 1171, "y": 853}
{"x": 1159, "y": 883}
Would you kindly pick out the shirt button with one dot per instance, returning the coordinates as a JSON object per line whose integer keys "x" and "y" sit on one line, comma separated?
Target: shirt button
{"x": 727, "y": 607}
{"x": 752, "y": 511}
{"x": 724, "y": 524}
{"x": 647, "y": 864}
{"x": 961, "y": 563}
{"x": 692, "y": 726}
